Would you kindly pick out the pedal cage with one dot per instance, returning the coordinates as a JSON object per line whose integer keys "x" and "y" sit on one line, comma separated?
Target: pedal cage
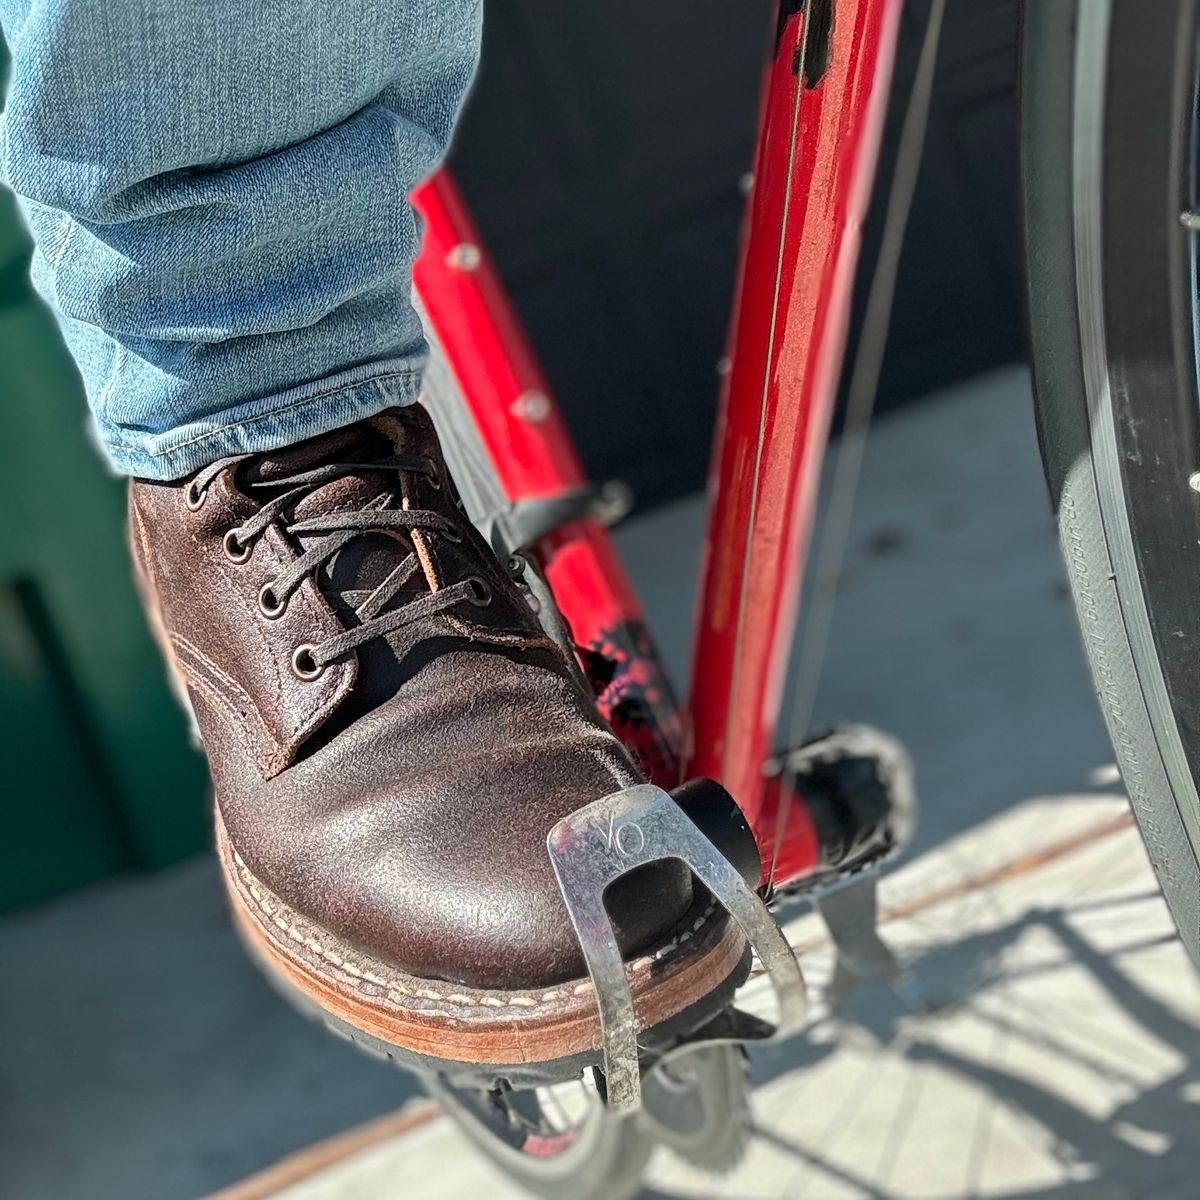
{"x": 610, "y": 837}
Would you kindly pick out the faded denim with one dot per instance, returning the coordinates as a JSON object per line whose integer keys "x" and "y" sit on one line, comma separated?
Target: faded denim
{"x": 217, "y": 191}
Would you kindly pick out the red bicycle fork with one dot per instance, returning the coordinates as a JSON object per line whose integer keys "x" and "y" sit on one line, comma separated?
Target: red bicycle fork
{"x": 824, "y": 97}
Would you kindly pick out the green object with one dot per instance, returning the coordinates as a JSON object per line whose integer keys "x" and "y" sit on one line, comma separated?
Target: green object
{"x": 96, "y": 774}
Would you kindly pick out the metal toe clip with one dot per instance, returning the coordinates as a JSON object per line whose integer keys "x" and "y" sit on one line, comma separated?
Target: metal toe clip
{"x": 599, "y": 843}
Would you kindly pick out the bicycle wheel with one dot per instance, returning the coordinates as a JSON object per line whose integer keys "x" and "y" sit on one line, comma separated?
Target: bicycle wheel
{"x": 559, "y": 1142}
{"x": 563, "y": 1143}
{"x": 1110, "y": 174}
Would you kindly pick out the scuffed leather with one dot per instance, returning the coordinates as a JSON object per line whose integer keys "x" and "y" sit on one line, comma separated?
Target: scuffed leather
{"x": 402, "y": 800}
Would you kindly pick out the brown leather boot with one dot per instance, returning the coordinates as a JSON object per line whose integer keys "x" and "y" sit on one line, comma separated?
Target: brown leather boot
{"x": 391, "y": 736}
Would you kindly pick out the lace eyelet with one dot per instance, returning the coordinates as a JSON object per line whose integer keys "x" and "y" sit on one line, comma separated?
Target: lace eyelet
{"x": 434, "y": 476}
{"x": 303, "y": 666}
{"x": 452, "y": 535}
{"x": 234, "y": 550}
{"x": 481, "y": 595}
{"x": 194, "y": 497}
{"x": 270, "y": 605}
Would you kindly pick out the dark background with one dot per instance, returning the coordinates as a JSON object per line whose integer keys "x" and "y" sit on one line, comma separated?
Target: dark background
{"x": 602, "y": 152}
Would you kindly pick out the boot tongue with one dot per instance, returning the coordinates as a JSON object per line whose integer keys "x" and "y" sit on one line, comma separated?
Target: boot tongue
{"x": 358, "y": 568}
{"x": 348, "y": 443}
{"x": 368, "y": 559}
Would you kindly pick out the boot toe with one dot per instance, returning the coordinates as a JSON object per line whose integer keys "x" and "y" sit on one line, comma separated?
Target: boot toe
{"x": 432, "y": 857}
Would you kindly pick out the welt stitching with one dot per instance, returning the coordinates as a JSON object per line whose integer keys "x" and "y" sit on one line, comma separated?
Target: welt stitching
{"x": 401, "y": 989}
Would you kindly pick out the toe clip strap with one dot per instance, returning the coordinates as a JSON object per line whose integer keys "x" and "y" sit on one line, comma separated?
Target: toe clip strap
{"x": 599, "y": 843}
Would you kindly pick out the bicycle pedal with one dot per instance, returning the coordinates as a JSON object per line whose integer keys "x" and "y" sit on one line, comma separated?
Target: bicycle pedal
{"x": 610, "y": 837}
{"x": 858, "y": 786}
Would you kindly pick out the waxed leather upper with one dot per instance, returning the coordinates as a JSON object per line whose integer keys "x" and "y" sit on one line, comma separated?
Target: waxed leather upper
{"x": 401, "y": 800}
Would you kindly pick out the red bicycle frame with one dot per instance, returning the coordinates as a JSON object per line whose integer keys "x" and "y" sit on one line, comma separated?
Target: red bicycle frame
{"x": 824, "y": 98}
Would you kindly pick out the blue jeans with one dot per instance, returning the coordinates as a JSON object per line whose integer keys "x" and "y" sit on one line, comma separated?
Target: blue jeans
{"x": 217, "y": 191}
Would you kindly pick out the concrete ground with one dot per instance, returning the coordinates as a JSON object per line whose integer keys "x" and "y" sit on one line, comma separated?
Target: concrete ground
{"x": 1060, "y": 1056}
{"x": 142, "y": 1057}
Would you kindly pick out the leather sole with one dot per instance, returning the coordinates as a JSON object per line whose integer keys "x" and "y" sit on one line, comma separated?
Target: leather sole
{"x": 533, "y": 1036}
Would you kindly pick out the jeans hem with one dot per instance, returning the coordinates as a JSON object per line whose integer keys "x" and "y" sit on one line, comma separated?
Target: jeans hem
{"x": 262, "y": 425}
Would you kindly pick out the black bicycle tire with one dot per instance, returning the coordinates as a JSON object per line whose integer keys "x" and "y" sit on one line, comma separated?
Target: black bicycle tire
{"x": 1107, "y": 122}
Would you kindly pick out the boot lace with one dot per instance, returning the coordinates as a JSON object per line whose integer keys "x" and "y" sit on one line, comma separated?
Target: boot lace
{"x": 374, "y": 617}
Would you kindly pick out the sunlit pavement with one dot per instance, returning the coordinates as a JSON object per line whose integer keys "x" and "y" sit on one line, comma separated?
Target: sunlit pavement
{"x": 1052, "y": 1050}
{"x": 1057, "y": 1053}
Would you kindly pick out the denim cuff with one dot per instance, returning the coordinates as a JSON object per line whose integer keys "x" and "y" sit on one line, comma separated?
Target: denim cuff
{"x": 260, "y": 425}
